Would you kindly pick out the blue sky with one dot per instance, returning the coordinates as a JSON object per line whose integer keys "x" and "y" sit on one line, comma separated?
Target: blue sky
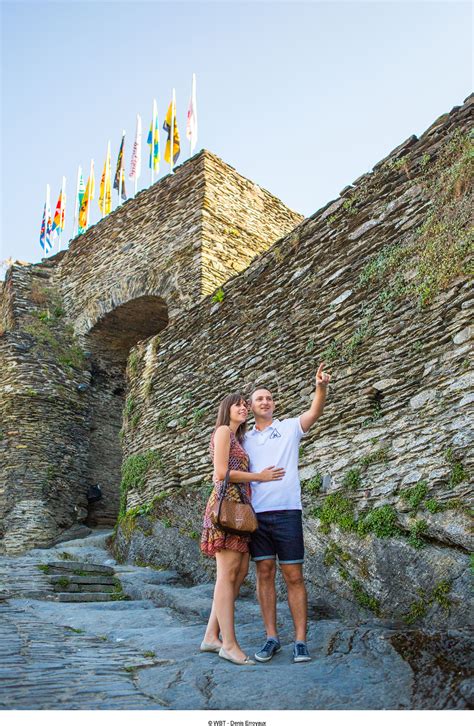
{"x": 301, "y": 98}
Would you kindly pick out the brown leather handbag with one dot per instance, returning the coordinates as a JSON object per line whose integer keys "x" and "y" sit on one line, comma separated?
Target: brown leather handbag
{"x": 233, "y": 517}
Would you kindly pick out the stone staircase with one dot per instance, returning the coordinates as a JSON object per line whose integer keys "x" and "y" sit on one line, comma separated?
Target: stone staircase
{"x": 41, "y": 577}
{"x": 83, "y": 582}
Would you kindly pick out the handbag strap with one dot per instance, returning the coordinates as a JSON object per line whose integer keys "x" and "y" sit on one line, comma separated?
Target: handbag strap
{"x": 243, "y": 498}
{"x": 225, "y": 485}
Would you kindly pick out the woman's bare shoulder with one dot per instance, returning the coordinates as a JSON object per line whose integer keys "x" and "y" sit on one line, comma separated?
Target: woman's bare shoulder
{"x": 223, "y": 431}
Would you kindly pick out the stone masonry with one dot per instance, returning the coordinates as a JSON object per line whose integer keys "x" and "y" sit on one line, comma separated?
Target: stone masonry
{"x": 68, "y": 323}
{"x": 377, "y": 283}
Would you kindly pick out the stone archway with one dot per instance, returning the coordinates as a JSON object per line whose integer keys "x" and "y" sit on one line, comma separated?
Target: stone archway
{"x": 109, "y": 342}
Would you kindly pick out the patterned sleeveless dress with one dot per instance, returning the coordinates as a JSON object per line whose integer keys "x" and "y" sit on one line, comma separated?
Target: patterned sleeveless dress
{"x": 214, "y": 538}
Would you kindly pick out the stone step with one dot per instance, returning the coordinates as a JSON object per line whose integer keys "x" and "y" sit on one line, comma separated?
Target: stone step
{"x": 84, "y": 596}
{"x": 84, "y": 580}
{"x": 74, "y": 587}
{"x": 73, "y": 567}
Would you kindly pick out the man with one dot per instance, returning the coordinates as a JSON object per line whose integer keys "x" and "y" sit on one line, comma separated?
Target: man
{"x": 278, "y": 508}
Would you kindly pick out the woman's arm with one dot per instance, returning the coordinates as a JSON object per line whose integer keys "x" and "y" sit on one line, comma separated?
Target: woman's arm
{"x": 221, "y": 461}
{"x": 221, "y": 451}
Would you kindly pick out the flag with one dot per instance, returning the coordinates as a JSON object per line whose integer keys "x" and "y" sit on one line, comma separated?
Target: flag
{"x": 169, "y": 120}
{"x": 136, "y": 162}
{"x": 191, "y": 122}
{"x": 87, "y": 197}
{"x": 43, "y": 230}
{"x": 105, "y": 194}
{"x": 48, "y": 242}
{"x": 120, "y": 169}
{"x": 80, "y": 189}
{"x": 154, "y": 160}
{"x": 58, "y": 221}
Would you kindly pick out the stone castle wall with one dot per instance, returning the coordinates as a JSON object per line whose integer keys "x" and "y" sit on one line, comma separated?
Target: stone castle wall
{"x": 377, "y": 284}
{"x": 67, "y": 325}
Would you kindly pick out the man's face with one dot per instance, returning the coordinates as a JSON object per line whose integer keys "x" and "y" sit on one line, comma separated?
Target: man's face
{"x": 262, "y": 403}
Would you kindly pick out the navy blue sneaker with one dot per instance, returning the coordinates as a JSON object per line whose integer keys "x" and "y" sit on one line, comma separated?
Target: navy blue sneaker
{"x": 272, "y": 646}
{"x": 300, "y": 652}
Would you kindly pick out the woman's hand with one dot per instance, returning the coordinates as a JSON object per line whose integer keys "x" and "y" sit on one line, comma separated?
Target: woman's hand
{"x": 270, "y": 473}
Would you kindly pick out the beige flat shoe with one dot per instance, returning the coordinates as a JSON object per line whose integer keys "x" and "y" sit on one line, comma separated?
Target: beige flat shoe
{"x": 209, "y": 647}
{"x": 224, "y": 654}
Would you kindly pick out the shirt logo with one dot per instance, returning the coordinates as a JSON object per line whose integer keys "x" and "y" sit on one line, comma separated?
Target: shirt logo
{"x": 275, "y": 434}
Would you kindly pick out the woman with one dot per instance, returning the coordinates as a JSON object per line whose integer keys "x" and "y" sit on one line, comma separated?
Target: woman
{"x": 230, "y": 550}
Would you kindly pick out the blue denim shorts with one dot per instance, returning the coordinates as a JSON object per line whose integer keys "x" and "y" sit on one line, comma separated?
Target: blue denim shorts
{"x": 279, "y": 533}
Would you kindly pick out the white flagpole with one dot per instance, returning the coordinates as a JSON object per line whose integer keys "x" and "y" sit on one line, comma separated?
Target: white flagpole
{"x": 191, "y": 136}
{"x": 106, "y": 176}
{"x": 136, "y": 154}
{"x": 193, "y": 119}
{"x": 195, "y": 113}
{"x": 172, "y": 131}
{"x": 121, "y": 166}
{"x": 89, "y": 202}
{"x": 63, "y": 203}
{"x": 76, "y": 208}
{"x": 152, "y": 147}
{"x": 48, "y": 214}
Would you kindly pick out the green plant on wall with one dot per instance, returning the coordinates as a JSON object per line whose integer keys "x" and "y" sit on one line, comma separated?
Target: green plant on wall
{"x": 197, "y": 415}
{"x": 134, "y": 473}
{"x": 380, "y": 521}
{"x": 218, "y": 296}
{"x": 336, "y": 509}
{"x": 46, "y": 325}
{"x": 375, "y": 457}
{"x": 440, "y": 249}
{"x": 162, "y": 420}
{"x": 439, "y": 594}
{"x": 415, "y": 495}
{"x": 352, "y": 479}
{"x": 417, "y": 530}
{"x": 457, "y": 473}
{"x": 313, "y": 485}
{"x": 133, "y": 360}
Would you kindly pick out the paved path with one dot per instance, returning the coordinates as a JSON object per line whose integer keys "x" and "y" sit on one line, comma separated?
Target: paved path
{"x": 142, "y": 653}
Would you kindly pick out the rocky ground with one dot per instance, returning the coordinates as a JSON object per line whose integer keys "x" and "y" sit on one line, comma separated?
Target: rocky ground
{"x": 143, "y": 652}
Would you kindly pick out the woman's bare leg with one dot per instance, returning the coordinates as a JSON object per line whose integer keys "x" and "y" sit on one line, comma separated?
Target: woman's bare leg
{"x": 212, "y": 630}
{"x": 228, "y": 566}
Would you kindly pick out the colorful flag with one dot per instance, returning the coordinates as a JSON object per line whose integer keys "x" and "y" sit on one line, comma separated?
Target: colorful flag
{"x": 136, "y": 162}
{"x": 169, "y": 121}
{"x": 48, "y": 242}
{"x": 58, "y": 221}
{"x": 191, "y": 122}
{"x": 43, "y": 230}
{"x": 87, "y": 197}
{"x": 120, "y": 170}
{"x": 105, "y": 194}
{"x": 154, "y": 160}
{"x": 80, "y": 188}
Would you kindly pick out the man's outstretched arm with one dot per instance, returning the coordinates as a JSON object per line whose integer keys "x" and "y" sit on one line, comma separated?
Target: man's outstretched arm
{"x": 308, "y": 418}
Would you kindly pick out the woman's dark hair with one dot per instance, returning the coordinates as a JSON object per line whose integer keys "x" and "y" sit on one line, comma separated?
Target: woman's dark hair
{"x": 223, "y": 414}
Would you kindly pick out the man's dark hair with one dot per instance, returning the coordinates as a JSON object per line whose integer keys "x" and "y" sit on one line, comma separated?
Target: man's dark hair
{"x": 259, "y": 388}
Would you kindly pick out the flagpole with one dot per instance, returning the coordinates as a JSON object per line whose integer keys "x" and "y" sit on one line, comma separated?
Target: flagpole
{"x": 172, "y": 131}
{"x": 76, "y": 209}
{"x": 121, "y": 166}
{"x": 136, "y": 152}
{"x": 48, "y": 214}
{"x": 90, "y": 190}
{"x": 152, "y": 147}
{"x": 106, "y": 178}
{"x": 192, "y": 110}
{"x": 63, "y": 198}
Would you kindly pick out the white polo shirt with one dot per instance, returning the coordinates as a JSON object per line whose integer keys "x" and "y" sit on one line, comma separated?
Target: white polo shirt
{"x": 277, "y": 445}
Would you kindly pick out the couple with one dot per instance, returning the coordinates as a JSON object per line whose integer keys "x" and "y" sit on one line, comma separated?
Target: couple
{"x": 263, "y": 467}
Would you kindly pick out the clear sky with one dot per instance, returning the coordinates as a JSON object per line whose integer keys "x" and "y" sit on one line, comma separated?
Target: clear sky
{"x": 302, "y": 98}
